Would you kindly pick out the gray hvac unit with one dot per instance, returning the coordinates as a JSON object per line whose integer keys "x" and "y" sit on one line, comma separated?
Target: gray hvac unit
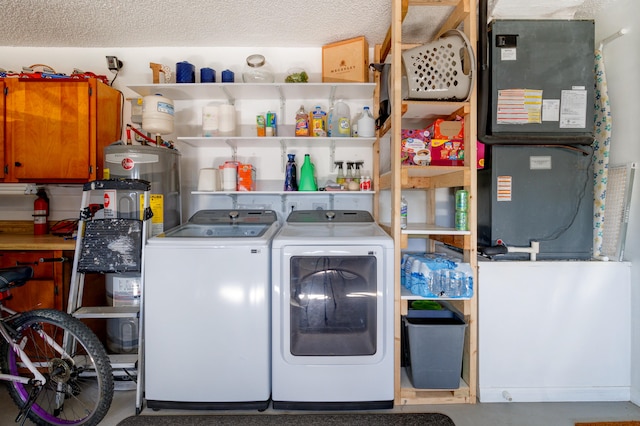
{"x": 537, "y": 82}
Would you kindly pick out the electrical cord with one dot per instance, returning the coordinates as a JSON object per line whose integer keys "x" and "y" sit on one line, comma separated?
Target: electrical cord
{"x": 64, "y": 228}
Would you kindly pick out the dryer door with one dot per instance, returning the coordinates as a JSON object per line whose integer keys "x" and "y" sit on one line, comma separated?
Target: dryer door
{"x": 332, "y": 304}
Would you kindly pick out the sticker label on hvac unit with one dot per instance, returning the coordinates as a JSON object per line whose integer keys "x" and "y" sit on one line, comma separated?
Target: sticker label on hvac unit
{"x": 508, "y": 54}
{"x": 504, "y": 186}
{"x": 519, "y": 106}
{"x": 573, "y": 111}
{"x": 540, "y": 162}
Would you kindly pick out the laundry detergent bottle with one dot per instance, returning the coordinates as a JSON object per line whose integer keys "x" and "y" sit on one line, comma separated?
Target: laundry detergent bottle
{"x": 307, "y": 176}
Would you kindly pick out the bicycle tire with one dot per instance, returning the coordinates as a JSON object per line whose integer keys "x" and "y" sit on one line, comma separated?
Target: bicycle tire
{"x": 87, "y": 383}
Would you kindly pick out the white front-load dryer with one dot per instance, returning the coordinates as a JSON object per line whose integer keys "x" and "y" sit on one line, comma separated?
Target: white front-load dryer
{"x": 333, "y": 312}
{"x": 207, "y": 312}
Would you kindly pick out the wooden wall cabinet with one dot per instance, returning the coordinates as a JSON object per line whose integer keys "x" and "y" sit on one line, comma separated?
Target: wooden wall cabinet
{"x": 2, "y": 126}
{"x": 394, "y": 178}
{"x": 55, "y": 129}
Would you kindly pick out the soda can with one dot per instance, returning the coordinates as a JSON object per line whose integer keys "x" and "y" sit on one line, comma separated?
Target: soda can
{"x": 461, "y": 222}
{"x": 462, "y": 200}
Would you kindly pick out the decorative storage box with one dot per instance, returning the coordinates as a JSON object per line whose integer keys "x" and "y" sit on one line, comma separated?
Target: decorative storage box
{"x": 346, "y": 61}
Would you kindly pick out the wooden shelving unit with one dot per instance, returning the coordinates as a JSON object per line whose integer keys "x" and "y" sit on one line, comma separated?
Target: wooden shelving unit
{"x": 458, "y": 14}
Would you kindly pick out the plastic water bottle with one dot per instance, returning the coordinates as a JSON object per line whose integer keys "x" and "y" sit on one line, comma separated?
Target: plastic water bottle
{"x": 366, "y": 124}
{"x": 403, "y": 213}
{"x": 407, "y": 271}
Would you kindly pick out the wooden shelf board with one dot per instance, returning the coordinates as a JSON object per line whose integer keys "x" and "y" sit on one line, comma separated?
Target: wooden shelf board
{"x": 412, "y": 396}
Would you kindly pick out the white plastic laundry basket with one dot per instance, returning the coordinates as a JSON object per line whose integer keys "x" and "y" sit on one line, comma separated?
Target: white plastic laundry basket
{"x": 443, "y": 69}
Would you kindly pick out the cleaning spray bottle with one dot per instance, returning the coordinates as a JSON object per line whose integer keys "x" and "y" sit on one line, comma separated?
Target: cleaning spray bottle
{"x": 340, "y": 178}
{"x": 357, "y": 176}
{"x": 307, "y": 176}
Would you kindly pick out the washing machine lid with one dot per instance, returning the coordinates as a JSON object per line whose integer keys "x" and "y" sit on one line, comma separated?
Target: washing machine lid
{"x": 225, "y": 224}
{"x": 343, "y": 228}
{"x": 330, "y": 216}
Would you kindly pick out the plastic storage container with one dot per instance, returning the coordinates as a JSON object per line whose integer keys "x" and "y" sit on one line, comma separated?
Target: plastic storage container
{"x": 257, "y": 70}
{"x": 122, "y": 333}
{"x": 433, "y": 348}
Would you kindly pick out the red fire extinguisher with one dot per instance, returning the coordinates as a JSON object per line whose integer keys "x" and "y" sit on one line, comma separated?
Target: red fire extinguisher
{"x": 41, "y": 213}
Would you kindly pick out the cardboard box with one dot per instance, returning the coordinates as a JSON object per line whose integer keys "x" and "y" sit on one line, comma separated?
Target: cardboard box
{"x": 346, "y": 61}
{"x": 416, "y": 147}
{"x": 246, "y": 177}
{"x": 447, "y": 143}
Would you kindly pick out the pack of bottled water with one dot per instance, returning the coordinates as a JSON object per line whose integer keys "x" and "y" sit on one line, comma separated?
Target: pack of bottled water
{"x": 436, "y": 275}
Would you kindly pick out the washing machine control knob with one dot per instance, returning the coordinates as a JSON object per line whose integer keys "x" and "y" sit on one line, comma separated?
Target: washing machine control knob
{"x": 330, "y": 215}
{"x": 233, "y": 215}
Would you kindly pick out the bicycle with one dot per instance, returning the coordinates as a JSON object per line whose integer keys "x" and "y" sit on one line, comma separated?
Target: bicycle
{"x": 56, "y": 369}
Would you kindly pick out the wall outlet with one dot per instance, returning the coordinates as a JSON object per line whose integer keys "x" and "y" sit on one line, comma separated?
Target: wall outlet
{"x": 319, "y": 206}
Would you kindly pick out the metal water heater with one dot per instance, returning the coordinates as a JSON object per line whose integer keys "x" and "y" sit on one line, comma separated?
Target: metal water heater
{"x": 158, "y": 165}
{"x": 161, "y": 167}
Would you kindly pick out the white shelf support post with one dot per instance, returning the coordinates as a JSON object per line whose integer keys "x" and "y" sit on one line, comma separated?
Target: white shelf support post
{"x": 283, "y": 155}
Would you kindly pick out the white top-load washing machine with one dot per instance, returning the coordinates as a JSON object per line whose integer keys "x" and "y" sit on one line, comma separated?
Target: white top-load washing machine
{"x": 208, "y": 312}
{"x": 333, "y": 312}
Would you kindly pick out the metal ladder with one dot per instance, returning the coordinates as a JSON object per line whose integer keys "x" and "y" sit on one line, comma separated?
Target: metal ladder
{"x": 113, "y": 244}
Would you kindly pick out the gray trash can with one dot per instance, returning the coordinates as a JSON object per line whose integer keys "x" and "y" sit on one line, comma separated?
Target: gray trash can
{"x": 435, "y": 341}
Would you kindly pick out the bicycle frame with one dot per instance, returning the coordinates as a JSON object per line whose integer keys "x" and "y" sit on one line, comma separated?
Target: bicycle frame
{"x": 39, "y": 380}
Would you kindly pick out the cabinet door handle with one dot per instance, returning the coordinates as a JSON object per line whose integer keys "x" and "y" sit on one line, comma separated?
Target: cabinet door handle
{"x": 17, "y": 164}
{"x": 53, "y": 259}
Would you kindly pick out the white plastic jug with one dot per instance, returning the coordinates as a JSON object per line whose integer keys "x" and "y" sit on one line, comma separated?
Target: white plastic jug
{"x": 366, "y": 124}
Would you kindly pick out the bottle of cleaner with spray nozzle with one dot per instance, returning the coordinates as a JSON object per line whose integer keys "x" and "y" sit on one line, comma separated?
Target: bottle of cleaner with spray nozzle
{"x": 340, "y": 178}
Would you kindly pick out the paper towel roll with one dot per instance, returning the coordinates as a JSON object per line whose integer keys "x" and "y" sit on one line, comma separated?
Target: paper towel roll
{"x": 210, "y": 120}
{"x": 209, "y": 180}
{"x": 227, "y": 120}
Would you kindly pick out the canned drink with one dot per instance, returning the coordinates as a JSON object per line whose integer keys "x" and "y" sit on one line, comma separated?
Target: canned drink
{"x": 462, "y": 200}
{"x": 365, "y": 184}
{"x": 461, "y": 222}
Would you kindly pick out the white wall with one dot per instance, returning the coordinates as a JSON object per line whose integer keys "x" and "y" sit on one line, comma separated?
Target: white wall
{"x": 622, "y": 63}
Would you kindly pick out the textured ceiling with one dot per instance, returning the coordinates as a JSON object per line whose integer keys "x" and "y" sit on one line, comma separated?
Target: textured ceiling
{"x": 252, "y": 23}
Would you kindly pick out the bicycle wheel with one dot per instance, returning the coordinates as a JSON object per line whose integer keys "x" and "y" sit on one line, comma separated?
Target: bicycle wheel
{"x": 78, "y": 390}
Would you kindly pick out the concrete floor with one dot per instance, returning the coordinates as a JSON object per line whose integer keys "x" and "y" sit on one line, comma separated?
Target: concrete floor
{"x": 494, "y": 414}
